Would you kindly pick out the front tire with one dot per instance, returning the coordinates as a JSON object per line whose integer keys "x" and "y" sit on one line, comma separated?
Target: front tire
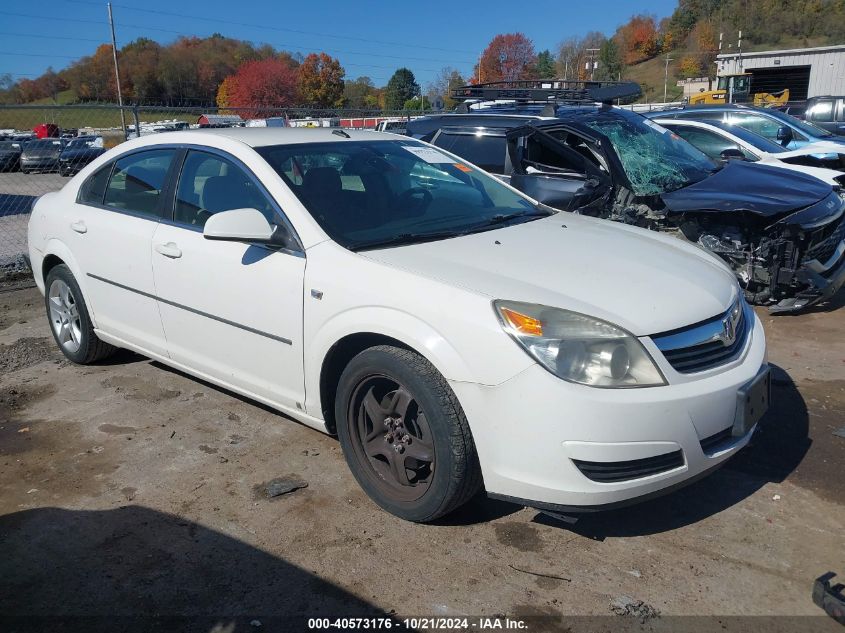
{"x": 404, "y": 434}
{"x": 70, "y": 322}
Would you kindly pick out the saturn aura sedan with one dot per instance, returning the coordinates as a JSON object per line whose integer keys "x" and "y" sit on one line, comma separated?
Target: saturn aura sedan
{"x": 455, "y": 334}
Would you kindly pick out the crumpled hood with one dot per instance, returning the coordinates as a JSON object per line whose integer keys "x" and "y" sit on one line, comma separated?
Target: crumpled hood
{"x": 740, "y": 186}
{"x": 643, "y": 281}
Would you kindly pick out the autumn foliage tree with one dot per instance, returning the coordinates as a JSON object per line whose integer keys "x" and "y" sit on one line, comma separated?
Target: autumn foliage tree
{"x": 639, "y": 39}
{"x": 321, "y": 81}
{"x": 261, "y": 84}
{"x": 508, "y": 57}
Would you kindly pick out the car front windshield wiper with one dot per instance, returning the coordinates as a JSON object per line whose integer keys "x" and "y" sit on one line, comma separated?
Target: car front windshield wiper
{"x": 502, "y": 218}
{"x": 402, "y": 239}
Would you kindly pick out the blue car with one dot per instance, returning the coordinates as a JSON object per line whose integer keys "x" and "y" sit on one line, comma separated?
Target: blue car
{"x": 783, "y": 129}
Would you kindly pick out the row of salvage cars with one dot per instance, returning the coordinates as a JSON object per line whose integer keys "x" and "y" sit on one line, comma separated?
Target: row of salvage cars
{"x": 758, "y": 188}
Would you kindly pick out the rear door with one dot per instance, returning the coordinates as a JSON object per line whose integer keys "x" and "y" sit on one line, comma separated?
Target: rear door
{"x": 110, "y": 230}
{"x": 231, "y": 311}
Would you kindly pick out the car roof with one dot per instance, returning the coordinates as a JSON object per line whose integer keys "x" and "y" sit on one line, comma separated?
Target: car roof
{"x": 263, "y": 136}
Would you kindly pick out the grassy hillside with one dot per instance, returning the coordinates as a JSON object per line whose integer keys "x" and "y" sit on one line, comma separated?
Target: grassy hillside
{"x": 649, "y": 74}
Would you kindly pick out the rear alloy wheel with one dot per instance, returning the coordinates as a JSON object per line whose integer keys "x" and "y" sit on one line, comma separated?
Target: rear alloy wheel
{"x": 69, "y": 320}
{"x": 404, "y": 434}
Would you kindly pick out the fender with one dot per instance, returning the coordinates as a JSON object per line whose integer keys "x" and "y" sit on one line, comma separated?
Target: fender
{"x": 55, "y": 246}
{"x": 399, "y": 325}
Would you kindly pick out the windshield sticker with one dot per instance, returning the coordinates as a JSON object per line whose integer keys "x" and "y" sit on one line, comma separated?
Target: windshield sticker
{"x": 462, "y": 168}
{"x": 429, "y": 155}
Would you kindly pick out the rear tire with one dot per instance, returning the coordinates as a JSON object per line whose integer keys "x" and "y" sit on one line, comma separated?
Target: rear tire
{"x": 404, "y": 434}
{"x": 70, "y": 322}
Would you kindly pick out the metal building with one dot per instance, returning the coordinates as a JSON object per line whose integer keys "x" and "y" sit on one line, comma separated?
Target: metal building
{"x": 807, "y": 72}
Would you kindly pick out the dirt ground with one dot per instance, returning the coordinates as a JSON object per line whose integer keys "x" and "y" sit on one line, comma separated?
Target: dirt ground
{"x": 128, "y": 489}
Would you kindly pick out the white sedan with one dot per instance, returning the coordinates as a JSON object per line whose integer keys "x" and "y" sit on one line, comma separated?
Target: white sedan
{"x": 455, "y": 334}
{"x": 723, "y": 141}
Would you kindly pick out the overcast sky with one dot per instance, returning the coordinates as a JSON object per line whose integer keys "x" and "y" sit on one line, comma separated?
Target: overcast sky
{"x": 370, "y": 38}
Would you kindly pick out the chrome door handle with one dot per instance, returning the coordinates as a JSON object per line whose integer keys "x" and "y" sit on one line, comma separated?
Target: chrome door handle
{"x": 79, "y": 226}
{"x": 169, "y": 250}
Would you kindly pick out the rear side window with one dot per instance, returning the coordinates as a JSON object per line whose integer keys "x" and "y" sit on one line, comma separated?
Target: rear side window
{"x": 137, "y": 180}
{"x": 486, "y": 151}
{"x": 93, "y": 189}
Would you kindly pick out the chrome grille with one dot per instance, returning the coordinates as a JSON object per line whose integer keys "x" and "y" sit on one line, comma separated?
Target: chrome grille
{"x": 708, "y": 344}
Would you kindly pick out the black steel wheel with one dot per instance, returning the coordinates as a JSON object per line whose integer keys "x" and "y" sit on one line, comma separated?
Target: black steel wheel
{"x": 404, "y": 435}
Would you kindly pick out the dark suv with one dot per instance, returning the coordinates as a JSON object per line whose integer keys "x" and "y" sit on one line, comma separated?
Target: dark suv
{"x": 781, "y": 232}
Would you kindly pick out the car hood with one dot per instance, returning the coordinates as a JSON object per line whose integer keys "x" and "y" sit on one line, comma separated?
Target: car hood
{"x": 81, "y": 153}
{"x": 643, "y": 281}
{"x": 42, "y": 153}
{"x": 740, "y": 186}
{"x": 820, "y": 147}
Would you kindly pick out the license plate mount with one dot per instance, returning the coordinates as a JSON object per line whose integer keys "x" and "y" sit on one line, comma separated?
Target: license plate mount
{"x": 752, "y": 402}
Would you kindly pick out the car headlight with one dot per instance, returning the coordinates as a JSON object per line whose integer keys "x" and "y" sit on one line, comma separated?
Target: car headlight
{"x": 577, "y": 347}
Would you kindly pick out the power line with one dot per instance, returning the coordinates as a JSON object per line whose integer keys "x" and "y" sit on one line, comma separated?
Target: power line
{"x": 180, "y": 33}
{"x": 51, "y": 37}
{"x": 272, "y": 28}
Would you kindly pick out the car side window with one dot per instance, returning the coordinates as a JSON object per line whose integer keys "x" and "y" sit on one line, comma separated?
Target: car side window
{"x": 486, "y": 151}
{"x": 137, "y": 180}
{"x": 822, "y": 110}
{"x": 709, "y": 142}
{"x": 210, "y": 184}
{"x": 93, "y": 189}
{"x": 762, "y": 125}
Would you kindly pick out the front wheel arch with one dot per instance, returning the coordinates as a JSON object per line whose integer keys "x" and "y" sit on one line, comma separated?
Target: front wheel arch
{"x": 336, "y": 360}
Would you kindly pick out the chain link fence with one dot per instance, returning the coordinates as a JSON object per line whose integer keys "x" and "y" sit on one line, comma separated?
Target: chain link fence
{"x": 42, "y": 146}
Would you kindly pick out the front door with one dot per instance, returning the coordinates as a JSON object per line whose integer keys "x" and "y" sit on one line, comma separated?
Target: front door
{"x": 230, "y": 311}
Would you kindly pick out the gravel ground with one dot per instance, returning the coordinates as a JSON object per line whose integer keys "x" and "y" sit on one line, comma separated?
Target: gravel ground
{"x": 131, "y": 490}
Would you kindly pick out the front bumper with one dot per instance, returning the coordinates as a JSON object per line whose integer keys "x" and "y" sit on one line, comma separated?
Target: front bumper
{"x": 823, "y": 280}
{"x": 40, "y": 164}
{"x": 535, "y": 432}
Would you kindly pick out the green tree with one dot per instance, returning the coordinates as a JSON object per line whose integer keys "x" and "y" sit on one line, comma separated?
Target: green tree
{"x": 360, "y": 93}
{"x": 546, "y": 66}
{"x": 401, "y": 87}
{"x": 610, "y": 61}
{"x": 414, "y": 104}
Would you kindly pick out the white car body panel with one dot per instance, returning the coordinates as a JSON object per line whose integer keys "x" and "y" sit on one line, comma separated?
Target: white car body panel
{"x": 774, "y": 160}
{"x": 262, "y": 322}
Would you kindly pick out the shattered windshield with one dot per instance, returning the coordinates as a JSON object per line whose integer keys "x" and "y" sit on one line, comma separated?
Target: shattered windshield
{"x": 655, "y": 160}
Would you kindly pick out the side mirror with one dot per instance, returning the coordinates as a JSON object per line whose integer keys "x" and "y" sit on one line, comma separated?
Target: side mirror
{"x": 784, "y": 134}
{"x": 731, "y": 153}
{"x": 241, "y": 225}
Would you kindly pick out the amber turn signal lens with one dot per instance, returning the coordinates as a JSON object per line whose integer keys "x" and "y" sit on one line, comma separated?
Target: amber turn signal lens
{"x": 522, "y": 323}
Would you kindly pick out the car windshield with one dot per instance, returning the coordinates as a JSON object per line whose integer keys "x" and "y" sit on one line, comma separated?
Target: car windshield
{"x": 9, "y": 145}
{"x": 82, "y": 143}
{"x": 803, "y": 126}
{"x": 366, "y": 194}
{"x": 655, "y": 159}
{"x": 45, "y": 144}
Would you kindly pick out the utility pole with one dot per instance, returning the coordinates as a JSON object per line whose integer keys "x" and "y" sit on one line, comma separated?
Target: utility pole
{"x": 666, "y": 77}
{"x": 592, "y": 53}
{"x": 117, "y": 75}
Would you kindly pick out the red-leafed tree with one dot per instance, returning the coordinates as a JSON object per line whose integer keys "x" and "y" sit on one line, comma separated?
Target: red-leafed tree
{"x": 508, "y": 57}
{"x": 266, "y": 83}
{"x": 321, "y": 81}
